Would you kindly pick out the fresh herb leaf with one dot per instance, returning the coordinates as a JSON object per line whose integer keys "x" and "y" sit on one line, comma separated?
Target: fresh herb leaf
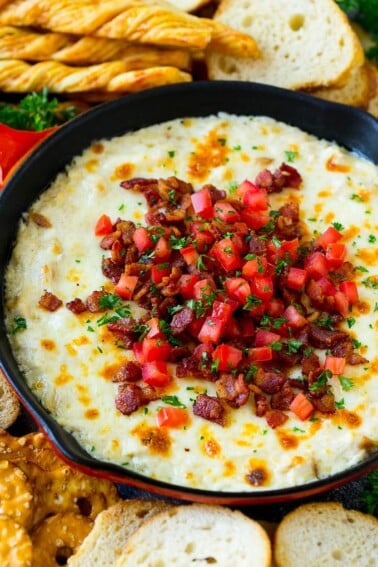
{"x": 35, "y": 112}
{"x": 173, "y": 401}
{"x": 19, "y": 324}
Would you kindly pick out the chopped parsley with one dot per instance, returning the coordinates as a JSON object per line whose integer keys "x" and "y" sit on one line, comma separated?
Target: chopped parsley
{"x": 19, "y": 324}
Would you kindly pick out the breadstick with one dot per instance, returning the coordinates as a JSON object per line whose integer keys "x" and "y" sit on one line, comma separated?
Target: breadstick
{"x": 20, "y": 77}
{"x": 27, "y": 44}
{"x": 140, "y": 21}
{"x": 132, "y": 20}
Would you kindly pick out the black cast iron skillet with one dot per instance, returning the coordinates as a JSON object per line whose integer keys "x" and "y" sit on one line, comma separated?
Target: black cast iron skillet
{"x": 351, "y": 128}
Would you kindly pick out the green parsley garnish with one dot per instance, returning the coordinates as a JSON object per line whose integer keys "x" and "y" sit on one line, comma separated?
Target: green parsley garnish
{"x": 35, "y": 112}
{"x": 19, "y": 324}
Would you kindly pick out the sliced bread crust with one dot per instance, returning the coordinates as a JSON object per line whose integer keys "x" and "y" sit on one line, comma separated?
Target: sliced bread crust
{"x": 325, "y": 534}
{"x": 198, "y": 534}
{"x": 302, "y": 45}
{"x": 112, "y": 528}
{"x": 9, "y": 404}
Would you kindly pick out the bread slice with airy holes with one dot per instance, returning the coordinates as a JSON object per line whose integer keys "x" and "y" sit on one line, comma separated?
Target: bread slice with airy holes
{"x": 325, "y": 534}
{"x": 302, "y": 45}
{"x": 198, "y": 534}
{"x": 356, "y": 92}
{"x": 9, "y": 404}
{"x": 112, "y": 528}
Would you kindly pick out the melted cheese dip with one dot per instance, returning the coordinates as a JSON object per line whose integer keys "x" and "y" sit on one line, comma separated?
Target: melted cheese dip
{"x": 69, "y": 360}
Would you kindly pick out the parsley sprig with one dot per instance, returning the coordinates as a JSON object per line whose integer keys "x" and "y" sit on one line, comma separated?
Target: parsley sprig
{"x": 36, "y": 111}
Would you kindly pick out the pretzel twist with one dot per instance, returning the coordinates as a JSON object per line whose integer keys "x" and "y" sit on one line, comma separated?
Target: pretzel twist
{"x": 140, "y": 21}
{"x": 27, "y": 44}
{"x": 112, "y": 77}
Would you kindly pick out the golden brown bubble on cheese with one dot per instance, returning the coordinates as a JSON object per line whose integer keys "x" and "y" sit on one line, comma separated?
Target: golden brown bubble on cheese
{"x": 208, "y": 153}
{"x": 156, "y": 439}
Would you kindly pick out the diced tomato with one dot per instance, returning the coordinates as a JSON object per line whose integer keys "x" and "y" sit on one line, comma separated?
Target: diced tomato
{"x": 262, "y": 287}
{"x": 329, "y": 236}
{"x": 155, "y": 331}
{"x": 160, "y": 271}
{"x": 264, "y": 337}
{"x": 232, "y": 330}
{"x": 190, "y": 255}
{"x": 222, "y": 311}
{"x": 203, "y": 288}
{"x": 247, "y": 326}
{"x": 103, "y": 225}
{"x": 275, "y": 307}
{"x": 138, "y": 352}
{"x": 316, "y": 265}
{"x": 227, "y": 254}
{"x": 203, "y": 241}
{"x": 335, "y": 254}
{"x": 202, "y": 204}
{"x": 211, "y": 330}
{"x": 295, "y": 320}
{"x": 255, "y": 267}
{"x": 349, "y": 289}
{"x": 162, "y": 250}
{"x": 256, "y": 200}
{"x": 203, "y": 351}
{"x": 155, "y": 349}
{"x": 327, "y": 286}
{"x": 296, "y": 278}
{"x": 169, "y": 416}
{"x": 142, "y": 239}
{"x": 254, "y": 219}
{"x": 238, "y": 288}
{"x": 196, "y": 325}
{"x": 126, "y": 286}
{"x": 155, "y": 373}
{"x": 260, "y": 354}
{"x": 186, "y": 285}
{"x": 246, "y": 186}
{"x": 335, "y": 364}
{"x": 341, "y": 303}
{"x": 302, "y": 407}
{"x": 227, "y": 357}
{"x": 225, "y": 212}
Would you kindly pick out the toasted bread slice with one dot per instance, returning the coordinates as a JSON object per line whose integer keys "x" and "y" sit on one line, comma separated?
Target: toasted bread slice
{"x": 198, "y": 534}
{"x": 9, "y": 404}
{"x": 356, "y": 92}
{"x": 325, "y": 534}
{"x": 373, "y": 100}
{"x": 111, "y": 530}
{"x": 302, "y": 44}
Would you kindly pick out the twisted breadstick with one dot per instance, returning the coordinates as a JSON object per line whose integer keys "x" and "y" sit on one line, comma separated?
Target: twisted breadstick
{"x": 140, "y": 21}
{"x": 113, "y": 77}
{"x": 133, "y": 20}
{"x": 23, "y": 43}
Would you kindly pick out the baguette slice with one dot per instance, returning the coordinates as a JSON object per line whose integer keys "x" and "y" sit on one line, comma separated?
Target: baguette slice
{"x": 302, "y": 45}
{"x": 373, "y": 101}
{"x": 9, "y": 404}
{"x": 198, "y": 534}
{"x": 355, "y": 92}
{"x": 111, "y": 530}
{"x": 326, "y": 535}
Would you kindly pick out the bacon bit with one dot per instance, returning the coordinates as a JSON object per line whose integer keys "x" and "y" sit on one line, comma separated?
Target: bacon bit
{"x": 49, "y": 301}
